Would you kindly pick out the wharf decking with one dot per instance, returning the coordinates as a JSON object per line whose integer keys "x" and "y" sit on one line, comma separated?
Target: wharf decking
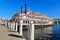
{"x": 7, "y": 34}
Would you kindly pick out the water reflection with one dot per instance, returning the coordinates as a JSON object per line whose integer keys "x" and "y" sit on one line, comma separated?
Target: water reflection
{"x": 50, "y": 33}
{"x": 56, "y": 32}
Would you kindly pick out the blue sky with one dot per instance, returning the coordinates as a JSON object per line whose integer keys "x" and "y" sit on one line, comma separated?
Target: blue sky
{"x": 50, "y": 8}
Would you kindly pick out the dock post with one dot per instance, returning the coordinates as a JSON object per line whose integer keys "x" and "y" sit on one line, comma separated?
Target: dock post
{"x": 21, "y": 25}
{"x": 8, "y": 24}
{"x": 31, "y": 31}
{"x": 16, "y": 26}
{"x": 13, "y": 26}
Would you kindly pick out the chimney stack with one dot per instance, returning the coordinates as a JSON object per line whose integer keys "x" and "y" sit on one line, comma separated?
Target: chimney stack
{"x": 25, "y": 8}
{"x": 21, "y": 9}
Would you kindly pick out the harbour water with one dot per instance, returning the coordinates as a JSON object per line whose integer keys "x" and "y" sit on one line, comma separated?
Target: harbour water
{"x": 53, "y": 32}
{"x": 56, "y": 32}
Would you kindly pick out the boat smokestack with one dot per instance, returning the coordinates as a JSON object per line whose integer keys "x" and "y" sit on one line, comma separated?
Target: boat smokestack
{"x": 21, "y": 9}
{"x": 25, "y": 8}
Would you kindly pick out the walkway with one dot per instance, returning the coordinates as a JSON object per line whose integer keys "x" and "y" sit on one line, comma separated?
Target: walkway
{"x": 7, "y": 34}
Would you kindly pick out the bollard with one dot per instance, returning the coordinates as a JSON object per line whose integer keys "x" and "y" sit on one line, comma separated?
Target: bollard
{"x": 13, "y": 28}
{"x": 11, "y": 25}
{"x": 16, "y": 26}
{"x": 31, "y": 31}
{"x": 8, "y": 24}
{"x": 21, "y": 25}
